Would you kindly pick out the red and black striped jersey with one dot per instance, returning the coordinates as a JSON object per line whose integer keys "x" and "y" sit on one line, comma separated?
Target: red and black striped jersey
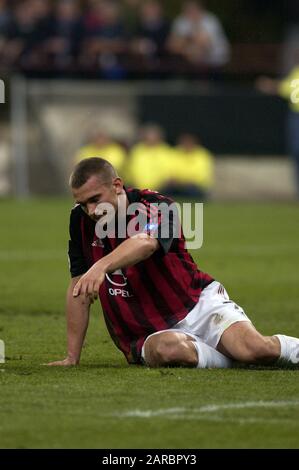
{"x": 152, "y": 295}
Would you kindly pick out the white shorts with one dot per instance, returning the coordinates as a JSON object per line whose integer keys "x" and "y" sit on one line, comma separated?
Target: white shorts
{"x": 211, "y": 316}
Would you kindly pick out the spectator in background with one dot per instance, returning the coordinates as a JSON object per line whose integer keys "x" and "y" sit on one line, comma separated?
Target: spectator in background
{"x": 4, "y": 16}
{"x": 194, "y": 169}
{"x": 288, "y": 88}
{"x": 64, "y": 33}
{"x": 42, "y": 9}
{"x": 150, "y": 159}
{"x": 151, "y": 32}
{"x": 4, "y": 22}
{"x": 93, "y": 20}
{"x": 130, "y": 10}
{"x": 102, "y": 145}
{"x": 198, "y": 37}
{"x": 43, "y": 13}
{"x": 290, "y": 46}
{"x": 20, "y": 35}
{"x": 105, "y": 39}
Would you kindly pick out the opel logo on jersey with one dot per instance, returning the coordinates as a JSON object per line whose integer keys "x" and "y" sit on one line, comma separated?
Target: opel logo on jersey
{"x": 119, "y": 280}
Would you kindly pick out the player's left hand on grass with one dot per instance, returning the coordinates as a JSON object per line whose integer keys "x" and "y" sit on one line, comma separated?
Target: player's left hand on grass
{"x": 90, "y": 283}
{"x": 67, "y": 362}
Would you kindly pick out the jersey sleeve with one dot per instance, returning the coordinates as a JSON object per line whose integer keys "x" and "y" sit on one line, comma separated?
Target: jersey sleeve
{"x": 168, "y": 229}
{"x": 77, "y": 262}
{"x": 163, "y": 221}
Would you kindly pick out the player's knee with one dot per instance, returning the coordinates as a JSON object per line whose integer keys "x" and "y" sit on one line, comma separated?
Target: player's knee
{"x": 167, "y": 349}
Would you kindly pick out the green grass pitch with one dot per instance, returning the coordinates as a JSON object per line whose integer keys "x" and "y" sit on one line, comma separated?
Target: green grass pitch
{"x": 251, "y": 248}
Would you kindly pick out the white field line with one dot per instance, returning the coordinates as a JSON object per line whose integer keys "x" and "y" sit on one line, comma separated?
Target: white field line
{"x": 206, "y": 412}
{"x": 222, "y": 419}
{"x": 230, "y": 419}
{"x": 248, "y": 404}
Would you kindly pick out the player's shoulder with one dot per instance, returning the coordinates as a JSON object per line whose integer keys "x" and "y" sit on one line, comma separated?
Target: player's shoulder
{"x": 76, "y": 214}
{"x": 77, "y": 210}
{"x": 152, "y": 196}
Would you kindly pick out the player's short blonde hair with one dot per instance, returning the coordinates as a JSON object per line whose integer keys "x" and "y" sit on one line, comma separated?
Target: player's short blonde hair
{"x": 90, "y": 167}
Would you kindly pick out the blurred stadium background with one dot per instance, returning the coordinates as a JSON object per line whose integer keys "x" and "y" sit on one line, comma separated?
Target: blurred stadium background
{"x": 74, "y": 68}
{"x": 130, "y": 80}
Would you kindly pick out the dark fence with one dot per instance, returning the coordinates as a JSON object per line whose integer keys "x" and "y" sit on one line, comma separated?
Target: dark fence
{"x": 227, "y": 121}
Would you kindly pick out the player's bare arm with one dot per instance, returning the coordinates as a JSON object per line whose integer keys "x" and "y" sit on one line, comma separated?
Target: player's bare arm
{"x": 129, "y": 253}
{"x": 77, "y": 315}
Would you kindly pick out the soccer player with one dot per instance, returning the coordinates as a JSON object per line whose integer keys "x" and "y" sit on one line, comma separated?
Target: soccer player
{"x": 159, "y": 308}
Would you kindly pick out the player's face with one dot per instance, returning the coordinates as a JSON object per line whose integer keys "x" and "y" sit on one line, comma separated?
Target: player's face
{"x": 94, "y": 192}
